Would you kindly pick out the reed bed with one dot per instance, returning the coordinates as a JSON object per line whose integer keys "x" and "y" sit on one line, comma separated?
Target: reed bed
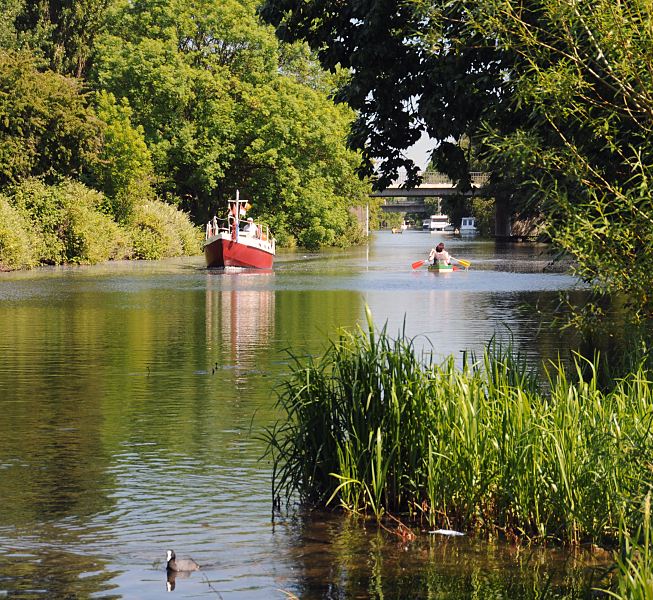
{"x": 376, "y": 428}
{"x": 634, "y": 563}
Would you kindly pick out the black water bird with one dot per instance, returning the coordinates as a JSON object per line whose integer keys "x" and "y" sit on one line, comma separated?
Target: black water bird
{"x": 182, "y": 564}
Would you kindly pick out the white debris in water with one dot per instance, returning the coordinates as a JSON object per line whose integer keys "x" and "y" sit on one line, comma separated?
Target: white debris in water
{"x": 446, "y": 532}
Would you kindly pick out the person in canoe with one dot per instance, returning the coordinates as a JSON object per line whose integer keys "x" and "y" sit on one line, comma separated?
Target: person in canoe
{"x": 439, "y": 256}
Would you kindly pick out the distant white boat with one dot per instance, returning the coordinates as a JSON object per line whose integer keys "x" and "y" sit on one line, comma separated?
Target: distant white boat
{"x": 468, "y": 226}
{"x": 436, "y": 223}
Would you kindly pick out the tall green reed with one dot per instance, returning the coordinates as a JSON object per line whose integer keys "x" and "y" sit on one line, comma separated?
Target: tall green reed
{"x": 634, "y": 563}
{"x": 375, "y": 427}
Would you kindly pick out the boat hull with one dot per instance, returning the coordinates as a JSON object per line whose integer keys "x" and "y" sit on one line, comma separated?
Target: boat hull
{"x": 222, "y": 251}
{"x": 442, "y": 268}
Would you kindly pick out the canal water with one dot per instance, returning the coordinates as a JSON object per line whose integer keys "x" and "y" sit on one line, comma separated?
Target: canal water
{"x": 133, "y": 397}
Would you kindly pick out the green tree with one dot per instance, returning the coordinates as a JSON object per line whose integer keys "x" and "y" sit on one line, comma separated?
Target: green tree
{"x": 295, "y": 161}
{"x": 585, "y": 143}
{"x": 63, "y": 31}
{"x": 46, "y": 128}
{"x": 123, "y": 168}
{"x": 153, "y": 57}
{"x": 223, "y": 108}
{"x": 554, "y": 96}
{"x": 9, "y": 11}
{"x": 415, "y": 66}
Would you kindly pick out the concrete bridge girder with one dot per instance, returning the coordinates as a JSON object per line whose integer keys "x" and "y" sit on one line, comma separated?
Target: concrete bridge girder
{"x": 502, "y": 225}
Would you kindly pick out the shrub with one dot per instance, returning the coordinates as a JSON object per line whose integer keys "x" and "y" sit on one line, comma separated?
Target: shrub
{"x": 17, "y": 242}
{"x": 39, "y": 204}
{"x": 159, "y": 230}
{"x": 91, "y": 237}
{"x": 69, "y": 224}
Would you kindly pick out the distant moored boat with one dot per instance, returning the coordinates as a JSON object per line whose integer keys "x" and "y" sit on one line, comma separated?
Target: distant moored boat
{"x": 468, "y": 226}
{"x": 436, "y": 223}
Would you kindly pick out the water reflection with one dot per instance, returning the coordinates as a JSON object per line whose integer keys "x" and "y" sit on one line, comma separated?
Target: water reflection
{"x": 133, "y": 400}
{"x": 43, "y": 573}
{"x": 338, "y": 558}
{"x": 172, "y": 577}
{"x": 239, "y": 321}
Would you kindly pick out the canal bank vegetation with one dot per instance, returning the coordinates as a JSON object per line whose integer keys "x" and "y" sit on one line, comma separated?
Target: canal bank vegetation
{"x": 145, "y": 104}
{"x": 68, "y": 223}
{"x": 634, "y": 563}
{"x": 491, "y": 447}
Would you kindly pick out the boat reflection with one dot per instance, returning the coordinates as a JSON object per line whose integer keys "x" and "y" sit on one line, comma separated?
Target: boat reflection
{"x": 240, "y": 323}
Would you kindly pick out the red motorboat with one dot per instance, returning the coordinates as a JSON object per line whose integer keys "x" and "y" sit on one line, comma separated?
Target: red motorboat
{"x": 238, "y": 242}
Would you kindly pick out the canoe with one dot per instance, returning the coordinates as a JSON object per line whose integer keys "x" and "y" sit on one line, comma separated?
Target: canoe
{"x": 443, "y": 268}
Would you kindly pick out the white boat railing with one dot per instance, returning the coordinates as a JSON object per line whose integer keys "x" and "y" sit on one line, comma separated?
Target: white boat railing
{"x": 259, "y": 232}
{"x": 215, "y": 226}
{"x": 477, "y": 178}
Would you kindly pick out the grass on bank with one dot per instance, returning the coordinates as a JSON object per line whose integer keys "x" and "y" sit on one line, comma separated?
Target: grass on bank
{"x": 375, "y": 429}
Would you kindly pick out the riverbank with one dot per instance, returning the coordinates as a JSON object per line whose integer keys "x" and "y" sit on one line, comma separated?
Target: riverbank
{"x": 69, "y": 223}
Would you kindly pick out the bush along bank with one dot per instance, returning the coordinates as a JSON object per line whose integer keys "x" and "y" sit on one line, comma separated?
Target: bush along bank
{"x": 69, "y": 223}
{"x": 373, "y": 428}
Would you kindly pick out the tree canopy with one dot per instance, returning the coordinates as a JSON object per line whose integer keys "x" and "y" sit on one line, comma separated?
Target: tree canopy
{"x": 416, "y": 67}
{"x": 555, "y": 98}
{"x": 585, "y": 140}
{"x": 46, "y": 127}
{"x": 185, "y": 102}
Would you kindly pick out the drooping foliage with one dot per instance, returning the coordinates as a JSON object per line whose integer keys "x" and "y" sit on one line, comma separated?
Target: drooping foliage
{"x": 16, "y": 248}
{"x": 585, "y": 143}
{"x": 159, "y": 230}
{"x": 67, "y": 223}
{"x": 416, "y": 67}
{"x": 554, "y": 98}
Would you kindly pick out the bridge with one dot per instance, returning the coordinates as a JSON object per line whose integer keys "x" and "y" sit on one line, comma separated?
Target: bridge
{"x": 438, "y": 185}
{"x": 434, "y": 185}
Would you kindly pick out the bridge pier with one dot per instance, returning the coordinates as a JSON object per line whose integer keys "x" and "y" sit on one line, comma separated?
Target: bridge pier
{"x": 362, "y": 214}
{"x": 502, "y": 219}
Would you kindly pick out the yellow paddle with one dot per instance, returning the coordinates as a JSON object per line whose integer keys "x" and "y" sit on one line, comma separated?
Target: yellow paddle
{"x": 464, "y": 263}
